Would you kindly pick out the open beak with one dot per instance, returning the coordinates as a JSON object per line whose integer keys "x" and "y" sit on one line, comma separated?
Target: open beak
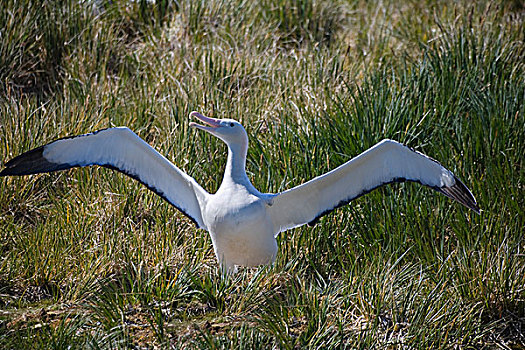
{"x": 212, "y": 123}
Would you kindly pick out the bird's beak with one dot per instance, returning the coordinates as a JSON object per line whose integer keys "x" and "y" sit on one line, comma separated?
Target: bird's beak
{"x": 211, "y": 122}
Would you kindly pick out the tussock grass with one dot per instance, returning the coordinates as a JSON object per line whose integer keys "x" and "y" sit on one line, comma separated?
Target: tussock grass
{"x": 90, "y": 258}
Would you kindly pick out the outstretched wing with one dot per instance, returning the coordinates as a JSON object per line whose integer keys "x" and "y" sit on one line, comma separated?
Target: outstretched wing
{"x": 386, "y": 162}
{"x": 119, "y": 149}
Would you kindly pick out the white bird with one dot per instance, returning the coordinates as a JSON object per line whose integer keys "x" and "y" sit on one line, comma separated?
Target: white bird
{"x": 243, "y": 222}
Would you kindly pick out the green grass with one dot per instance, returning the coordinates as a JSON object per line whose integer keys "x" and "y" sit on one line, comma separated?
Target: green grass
{"x": 91, "y": 259}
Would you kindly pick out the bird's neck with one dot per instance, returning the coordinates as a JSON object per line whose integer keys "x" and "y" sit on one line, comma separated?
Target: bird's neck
{"x": 236, "y": 165}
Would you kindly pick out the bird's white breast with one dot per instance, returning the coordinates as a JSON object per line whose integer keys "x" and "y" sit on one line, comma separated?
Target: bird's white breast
{"x": 240, "y": 228}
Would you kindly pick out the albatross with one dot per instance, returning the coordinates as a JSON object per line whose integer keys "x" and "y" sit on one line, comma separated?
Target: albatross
{"x": 243, "y": 223}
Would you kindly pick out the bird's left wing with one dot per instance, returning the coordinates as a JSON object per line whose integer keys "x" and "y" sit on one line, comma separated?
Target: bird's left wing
{"x": 119, "y": 149}
{"x": 386, "y": 162}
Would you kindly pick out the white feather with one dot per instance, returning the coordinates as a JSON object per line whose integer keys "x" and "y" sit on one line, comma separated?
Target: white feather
{"x": 123, "y": 149}
{"x": 381, "y": 164}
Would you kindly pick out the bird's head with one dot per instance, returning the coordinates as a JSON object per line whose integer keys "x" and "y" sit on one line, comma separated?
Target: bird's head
{"x": 228, "y": 130}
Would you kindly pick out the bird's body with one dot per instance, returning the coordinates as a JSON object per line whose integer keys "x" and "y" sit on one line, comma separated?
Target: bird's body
{"x": 243, "y": 223}
{"x": 241, "y": 229}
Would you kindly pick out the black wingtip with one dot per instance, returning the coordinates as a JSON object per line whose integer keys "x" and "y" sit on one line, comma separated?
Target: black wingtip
{"x": 459, "y": 192}
{"x": 30, "y": 162}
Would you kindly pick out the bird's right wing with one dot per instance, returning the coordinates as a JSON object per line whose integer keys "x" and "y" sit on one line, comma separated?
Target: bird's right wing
{"x": 119, "y": 149}
{"x": 386, "y": 162}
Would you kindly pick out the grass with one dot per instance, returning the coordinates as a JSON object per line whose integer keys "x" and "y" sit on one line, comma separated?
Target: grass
{"x": 91, "y": 259}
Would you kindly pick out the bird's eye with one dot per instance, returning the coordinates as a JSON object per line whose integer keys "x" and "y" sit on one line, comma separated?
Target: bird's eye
{"x": 232, "y": 125}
